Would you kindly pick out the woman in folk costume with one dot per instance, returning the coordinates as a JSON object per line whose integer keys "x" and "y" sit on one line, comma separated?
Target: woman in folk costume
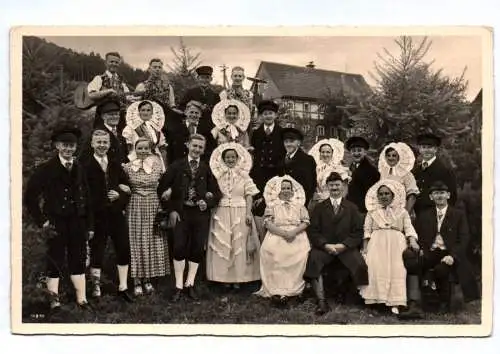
{"x": 328, "y": 154}
{"x": 149, "y": 250}
{"x": 396, "y": 162}
{"x": 233, "y": 241}
{"x": 284, "y": 252}
{"x": 387, "y": 233}
{"x": 145, "y": 119}
{"x": 231, "y": 119}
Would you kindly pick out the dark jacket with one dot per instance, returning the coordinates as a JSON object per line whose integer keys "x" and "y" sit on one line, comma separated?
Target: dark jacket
{"x": 64, "y": 193}
{"x": 302, "y": 168}
{"x": 178, "y": 177}
{"x": 437, "y": 171}
{"x": 455, "y": 234}
{"x": 100, "y": 183}
{"x": 363, "y": 177}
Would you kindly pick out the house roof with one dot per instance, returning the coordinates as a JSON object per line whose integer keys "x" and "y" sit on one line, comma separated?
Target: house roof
{"x": 312, "y": 83}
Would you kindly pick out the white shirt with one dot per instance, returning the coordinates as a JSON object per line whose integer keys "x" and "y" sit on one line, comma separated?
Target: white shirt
{"x": 96, "y": 84}
{"x": 64, "y": 161}
{"x": 292, "y": 154}
{"x": 102, "y": 160}
{"x": 438, "y": 241}
{"x": 270, "y": 127}
{"x": 429, "y": 162}
{"x": 110, "y": 128}
{"x": 192, "y": 158}
{"x": 336, "y": 201}
{"x": 195, "y": 126}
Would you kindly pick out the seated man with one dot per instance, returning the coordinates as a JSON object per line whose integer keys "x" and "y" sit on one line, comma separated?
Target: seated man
{"x": 443, "y": 236}
{"x": 335, "y": 232}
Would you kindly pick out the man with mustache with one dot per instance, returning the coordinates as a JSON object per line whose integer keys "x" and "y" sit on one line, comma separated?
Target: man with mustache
{"x": 335, "y": 233}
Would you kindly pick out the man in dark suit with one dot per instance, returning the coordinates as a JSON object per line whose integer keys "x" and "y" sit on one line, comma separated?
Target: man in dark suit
{"x": 268, "y": 153}
{"x": 443, "y": 235}
{"x": 66, "y": 216}
{"x": 204, "y": 94}
{"x": 363, "y": 173}
{"x": 431, "y": 170}
{"x": 109, "y": 196}
{"x": 110, "y": 113}
{"x": 297, "y": 163}
{"x": 188, "y": 191}
{"x": 335, "y": 233}
{"x": 177, "y": 132}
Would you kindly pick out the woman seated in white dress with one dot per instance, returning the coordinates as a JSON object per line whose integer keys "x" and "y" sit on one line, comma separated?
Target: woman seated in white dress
{"x": 328, "y": 155}
{"x": 231, "y": 119}
{"x": 396, "y": 162}
{"x": 283, "y": 254}
{"x": 387, "y": 233}
{"x": 233, "y": 242}
{"x": 145, "y": 119}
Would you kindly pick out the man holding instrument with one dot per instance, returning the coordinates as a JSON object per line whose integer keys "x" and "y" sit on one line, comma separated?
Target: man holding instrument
{"x": 110, "y": 85}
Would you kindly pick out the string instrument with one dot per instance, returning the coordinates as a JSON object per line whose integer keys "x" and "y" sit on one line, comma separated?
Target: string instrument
{"x": 83, "y": 101}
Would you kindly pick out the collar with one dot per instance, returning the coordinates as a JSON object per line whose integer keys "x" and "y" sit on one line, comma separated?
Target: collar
{"x": 109, "y": 127}
{"x": 188, "y": 123}
{"x": 99, "y": 159}
{"x": 109, "y": 74}
{"x": 64, "y": 161}
{"x": 270, "y": 127}
{"x": 192, "y": 158}
{"x": 146, "y": 165}
{"x": 336, "y": 200}
{"x": 293, "y": 154}
{"x": 430, "y": 162}
{"x": 442, "y": 211}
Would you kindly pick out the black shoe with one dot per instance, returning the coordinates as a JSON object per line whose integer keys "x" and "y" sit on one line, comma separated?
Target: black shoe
{"x": 322, "y": 308}
{"x": 177, "y": 295}
{"x": 412, "y": 312}
{"x": 124, "y": 295}
{"x": 192, "y": 293}
{"x": 85, "y": 306}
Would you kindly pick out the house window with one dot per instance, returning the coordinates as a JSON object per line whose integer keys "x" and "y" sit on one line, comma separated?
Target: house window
{"x": 307, "y": 108}
{"x": 320, "y": 130}
{"x": 289, "y": 105}
{"x": 306, "y": 128}
{"x": 332, "y": 131}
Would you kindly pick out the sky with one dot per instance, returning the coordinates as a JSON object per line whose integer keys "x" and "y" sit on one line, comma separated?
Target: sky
{"x": 340, "y": 53}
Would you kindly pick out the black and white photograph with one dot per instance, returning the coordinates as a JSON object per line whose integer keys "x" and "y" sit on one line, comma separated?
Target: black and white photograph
{"x": 251, "y": 178}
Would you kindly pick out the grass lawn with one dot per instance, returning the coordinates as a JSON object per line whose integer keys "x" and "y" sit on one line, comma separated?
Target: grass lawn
{"x": 217, "y": 306}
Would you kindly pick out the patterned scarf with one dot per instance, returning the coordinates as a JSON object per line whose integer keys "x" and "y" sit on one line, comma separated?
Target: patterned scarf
{"x": 157, "y": 90}
{"x": 115, "y": 83}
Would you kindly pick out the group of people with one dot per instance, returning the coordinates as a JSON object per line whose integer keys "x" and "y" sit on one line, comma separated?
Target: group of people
{"x": 217, "y": 180}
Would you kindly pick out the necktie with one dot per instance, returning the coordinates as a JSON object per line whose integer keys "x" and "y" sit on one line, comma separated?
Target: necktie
{"x": 354, "y": 166}
{"x": 68, "y": 165}
{"x": 425, "y": 165}
{"x": 335, "y": 206}
{"x": 288, "y": 158}
{"x": 194, "y": 165}
{"x": 103, "y": 163}
{"x": 268, "y": 131}
{"x": 113, "y": 130}
{"x": 391, "y": 171}
{"x": 192, "y": 128}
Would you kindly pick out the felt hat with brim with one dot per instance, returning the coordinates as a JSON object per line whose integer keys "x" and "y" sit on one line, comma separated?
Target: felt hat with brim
{"x": 267, "y": 105}
{"x": 66, "y": 134}
{"x": 428, "y": 139}
{"x": 438, "y": 186}
{"x": 334, "y": 176}
{"x": 204, "y": 70}
{"x": 109, "y": 107}
{"x": 292, "y": 134}
{"x": 411, "y": 261}
{"x": 357, "y": 141}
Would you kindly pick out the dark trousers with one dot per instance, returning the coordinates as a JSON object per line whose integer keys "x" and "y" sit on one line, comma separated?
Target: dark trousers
{"x": 110, "y": 224}
{"x": 435, "y": 270}
{"x": 68, "y": 241}
{"x": 190, "y": 235}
